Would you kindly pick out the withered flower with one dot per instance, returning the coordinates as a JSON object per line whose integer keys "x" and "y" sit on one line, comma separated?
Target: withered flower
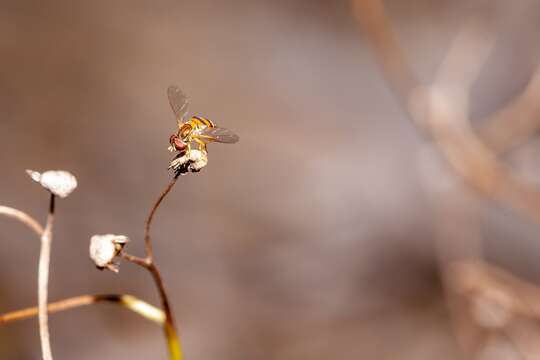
{"x": 189, "y": 161}
{"x": 104, "y": 248}
{"x": 58, "y": 182}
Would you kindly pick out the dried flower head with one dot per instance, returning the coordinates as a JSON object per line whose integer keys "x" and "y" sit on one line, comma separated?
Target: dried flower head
{"x": 104, "y": 248}
{"x": 192, "y": 160}
{"x": 58, "y": 182}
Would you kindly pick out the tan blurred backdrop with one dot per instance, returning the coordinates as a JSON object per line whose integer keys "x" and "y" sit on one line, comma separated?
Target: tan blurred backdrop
{"x": 312, "y": 238}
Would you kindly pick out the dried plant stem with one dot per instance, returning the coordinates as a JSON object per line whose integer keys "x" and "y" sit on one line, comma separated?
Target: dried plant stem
{"x": 148, "y": 223}
{"x": 130, "y": 302}
{"x": 23, "y": 218}
{"x": 43, "y": 283}
{"x": 173, "y": 343}
{"x": 148, "y": 263}
{"x": 154, "y": 271}
{"x": 169, "y": 327}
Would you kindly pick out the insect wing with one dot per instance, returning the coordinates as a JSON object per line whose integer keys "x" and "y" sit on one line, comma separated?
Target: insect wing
{"x": 218, "y": 134}
{"x": 179, "y": 103}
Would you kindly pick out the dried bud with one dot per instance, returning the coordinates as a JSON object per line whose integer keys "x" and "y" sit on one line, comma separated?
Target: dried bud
{"x": 192, "y": 160}
{"x": 58, "y": 182}
{"x": 104, "y": 248}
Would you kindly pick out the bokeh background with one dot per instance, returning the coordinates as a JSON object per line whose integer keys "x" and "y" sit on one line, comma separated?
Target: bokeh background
{"x": 312, "y": 238}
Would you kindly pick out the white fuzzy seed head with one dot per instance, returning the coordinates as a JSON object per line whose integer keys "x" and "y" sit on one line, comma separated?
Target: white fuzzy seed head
{"x": 192, "y": 161}
{"x": 104, "y": 248}
{"x": 195, "y": 155}
{"x": 58, "y": 182}
{"x": 199, "y": 164}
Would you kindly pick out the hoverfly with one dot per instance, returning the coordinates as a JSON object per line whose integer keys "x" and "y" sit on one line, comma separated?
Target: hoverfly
{"x": 195, "y": 131}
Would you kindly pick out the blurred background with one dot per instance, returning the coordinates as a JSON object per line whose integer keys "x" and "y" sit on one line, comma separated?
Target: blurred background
{"x": 317, "y": 236}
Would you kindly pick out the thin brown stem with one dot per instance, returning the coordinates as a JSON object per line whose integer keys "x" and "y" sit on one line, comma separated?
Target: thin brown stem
{"x": 135, "y": 259}
{"x": 23, "y": 218}
{"x": 162, "y": 293}
{"x": 148, "y": 223}
{"x": 148, "y": 263}
{"x": 168, "y": 326}
{"x": 130, "y": 302}
{"x": 43, "y": 281}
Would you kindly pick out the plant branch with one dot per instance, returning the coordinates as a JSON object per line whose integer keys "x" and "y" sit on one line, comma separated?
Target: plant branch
{"x": 173, "y": 343}
{"x": 43, "y": 280}
{"x": 135, "y": 259}
{"x": 23, "y": 218}
{"x": 156, "y": 276}
{"x": 148, "y": 263}
{"x": 148, "y": 223}
{"x": 130, "y": 302}
{"x": 169, "y": 327}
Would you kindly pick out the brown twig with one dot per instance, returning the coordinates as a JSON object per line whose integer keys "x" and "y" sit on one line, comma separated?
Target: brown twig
{"x": 23, "y": 218}
{"x": 148, "y": 263}
{"x": 130, "y": 302}
{"x": 43, "y": 282}
{"x": 151, "y": 267}
{"x": 148, "y": 223}
{"x": 135, "y": 259}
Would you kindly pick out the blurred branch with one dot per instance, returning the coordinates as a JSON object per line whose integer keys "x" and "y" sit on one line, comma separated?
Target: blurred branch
{"x": 440, "y": 112}
{"x": 503, "y": 130}
{"x": 516, "y": 121}
{"x": 23, "y": 218}
{"x": 496, "y": 286}
{"x": 372, "y": 19}
{"x": 132, "y": 303}
{"x": 494, "y": 299}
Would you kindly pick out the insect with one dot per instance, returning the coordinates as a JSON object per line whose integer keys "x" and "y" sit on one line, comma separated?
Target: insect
{"x": 198, "y": 131}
